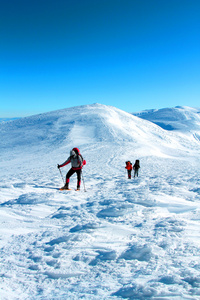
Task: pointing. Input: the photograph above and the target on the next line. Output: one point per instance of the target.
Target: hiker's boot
(65, 187)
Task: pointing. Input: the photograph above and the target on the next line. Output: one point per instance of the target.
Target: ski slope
(121, 239)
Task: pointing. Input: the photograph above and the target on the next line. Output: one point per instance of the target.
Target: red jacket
(129, 166)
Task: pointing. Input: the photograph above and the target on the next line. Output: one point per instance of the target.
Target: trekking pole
(61, 175)
(83, 181)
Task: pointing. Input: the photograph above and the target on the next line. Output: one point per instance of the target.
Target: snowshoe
(64, 188)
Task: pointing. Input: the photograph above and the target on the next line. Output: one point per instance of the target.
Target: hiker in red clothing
(77, 162)
(129, 168)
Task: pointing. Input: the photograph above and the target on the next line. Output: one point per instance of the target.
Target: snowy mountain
(181, 118)
(121, 239)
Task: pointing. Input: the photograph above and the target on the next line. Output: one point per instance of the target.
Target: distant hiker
(136, 167)
(77, 162)
(129, 168)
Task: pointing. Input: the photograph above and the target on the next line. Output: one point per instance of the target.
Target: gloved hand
(58, 166)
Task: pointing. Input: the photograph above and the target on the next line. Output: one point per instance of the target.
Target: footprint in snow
(103, 256)
(138, 252)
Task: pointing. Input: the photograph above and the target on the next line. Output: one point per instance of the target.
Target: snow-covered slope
(87, 124)
(133, 239)
(182, 118)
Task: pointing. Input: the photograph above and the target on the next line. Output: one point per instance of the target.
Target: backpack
(76, 150)
(137, 164)
(129, 165)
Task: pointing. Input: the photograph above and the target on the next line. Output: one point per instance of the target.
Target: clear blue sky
(132, 54)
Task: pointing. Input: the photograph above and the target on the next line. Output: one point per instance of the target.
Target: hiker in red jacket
(77, 162)
(129, 168)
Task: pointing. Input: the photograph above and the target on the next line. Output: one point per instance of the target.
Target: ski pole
(83, 181)
(61, 175)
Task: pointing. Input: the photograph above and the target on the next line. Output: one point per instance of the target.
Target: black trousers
(70, 173)
(129, 173)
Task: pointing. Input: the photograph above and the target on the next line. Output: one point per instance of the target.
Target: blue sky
(132, 54)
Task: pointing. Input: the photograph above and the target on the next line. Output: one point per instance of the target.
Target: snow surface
(121, 239)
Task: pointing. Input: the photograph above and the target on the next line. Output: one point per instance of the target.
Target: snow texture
(121, 239)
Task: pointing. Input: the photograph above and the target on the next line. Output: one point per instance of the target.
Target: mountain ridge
(181, 118)
(86, 124)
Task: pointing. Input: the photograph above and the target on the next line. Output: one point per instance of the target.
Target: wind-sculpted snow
(121, 239)
(178, 118)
